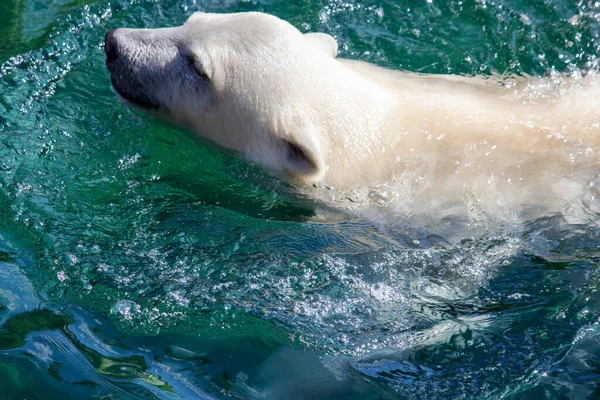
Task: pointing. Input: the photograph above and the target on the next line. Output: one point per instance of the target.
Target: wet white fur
(496, 140)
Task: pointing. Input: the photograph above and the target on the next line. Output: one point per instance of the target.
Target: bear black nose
(110, 46)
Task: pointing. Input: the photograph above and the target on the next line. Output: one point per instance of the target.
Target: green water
(138, 263)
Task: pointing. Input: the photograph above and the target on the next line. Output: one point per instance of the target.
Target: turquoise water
(138, 263)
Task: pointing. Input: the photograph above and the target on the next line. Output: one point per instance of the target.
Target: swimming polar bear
(254, 84)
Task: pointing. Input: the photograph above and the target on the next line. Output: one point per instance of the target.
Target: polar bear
(254, 84)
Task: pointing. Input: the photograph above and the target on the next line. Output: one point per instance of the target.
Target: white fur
(353, 124)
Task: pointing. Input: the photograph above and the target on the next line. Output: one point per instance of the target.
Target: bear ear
(303, 159)
(324, 42)
(195, 16)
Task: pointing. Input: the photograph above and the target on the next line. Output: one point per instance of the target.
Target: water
(137, 263)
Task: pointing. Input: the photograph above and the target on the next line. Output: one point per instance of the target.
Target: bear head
(249, 82)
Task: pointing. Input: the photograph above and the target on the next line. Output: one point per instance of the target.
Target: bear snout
(110, 46)
(124, 75)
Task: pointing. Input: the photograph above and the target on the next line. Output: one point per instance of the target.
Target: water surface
(138, 263)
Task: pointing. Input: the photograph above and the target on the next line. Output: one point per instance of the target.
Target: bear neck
(398, 121)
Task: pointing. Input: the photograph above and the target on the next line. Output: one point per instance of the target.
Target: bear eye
(196, 67)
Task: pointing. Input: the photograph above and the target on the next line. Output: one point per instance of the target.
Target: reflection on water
(138, 263)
